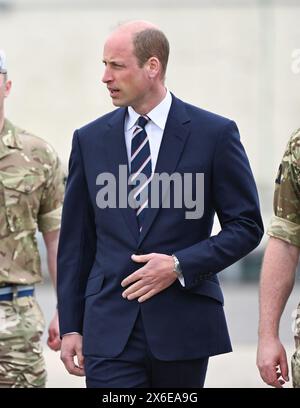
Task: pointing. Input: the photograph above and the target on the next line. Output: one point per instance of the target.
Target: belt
(7, 292)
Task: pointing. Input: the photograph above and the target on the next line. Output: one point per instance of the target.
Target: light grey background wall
(232, 57)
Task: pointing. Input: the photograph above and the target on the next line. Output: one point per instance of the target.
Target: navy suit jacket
(96, 244)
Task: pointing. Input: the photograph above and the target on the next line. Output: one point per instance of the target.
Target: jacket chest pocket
(22, 194)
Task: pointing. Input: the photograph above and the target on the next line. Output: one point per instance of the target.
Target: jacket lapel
(174, 138)
(116, 155)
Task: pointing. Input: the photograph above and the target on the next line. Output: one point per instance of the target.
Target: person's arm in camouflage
(49, 223)
(51, 242)
(277, 281)
(279, 266)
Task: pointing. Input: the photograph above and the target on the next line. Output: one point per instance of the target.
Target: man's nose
(106, 76)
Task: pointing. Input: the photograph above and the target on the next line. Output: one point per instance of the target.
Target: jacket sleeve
(235, 201)
(77, 243)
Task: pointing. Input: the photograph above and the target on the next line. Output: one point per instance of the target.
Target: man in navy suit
(139, 299)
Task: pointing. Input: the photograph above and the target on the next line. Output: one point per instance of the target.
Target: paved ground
(235, 369)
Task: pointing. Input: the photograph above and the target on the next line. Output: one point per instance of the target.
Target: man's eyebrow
(112, 61)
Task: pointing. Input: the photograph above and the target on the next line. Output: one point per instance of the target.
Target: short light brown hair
(151, 42)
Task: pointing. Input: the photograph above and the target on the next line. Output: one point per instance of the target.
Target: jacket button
(139, 252)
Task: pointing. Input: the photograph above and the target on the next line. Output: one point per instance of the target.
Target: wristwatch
(177, 268)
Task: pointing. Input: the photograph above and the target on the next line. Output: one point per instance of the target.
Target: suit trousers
(136, 367)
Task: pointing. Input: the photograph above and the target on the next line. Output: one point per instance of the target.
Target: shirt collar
(158, 115)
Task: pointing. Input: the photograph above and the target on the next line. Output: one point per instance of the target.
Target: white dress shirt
(154, 128)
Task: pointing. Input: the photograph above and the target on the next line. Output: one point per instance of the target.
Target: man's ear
(153, 67)
(7, 85)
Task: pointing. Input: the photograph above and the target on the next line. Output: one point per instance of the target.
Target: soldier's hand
(54, 341)
(272, 362)
(71, 347)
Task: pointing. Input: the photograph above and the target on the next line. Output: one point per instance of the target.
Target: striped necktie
(140, 163)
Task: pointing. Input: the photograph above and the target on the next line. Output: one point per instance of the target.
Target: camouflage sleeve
(285, 224)
(49, 216)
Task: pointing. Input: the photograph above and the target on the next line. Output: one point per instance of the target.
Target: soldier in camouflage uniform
(31, 193)
(278, 271)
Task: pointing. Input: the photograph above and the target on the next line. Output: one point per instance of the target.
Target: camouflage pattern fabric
(21, 361)
(31, 195)
(295, 362)
(285, 224)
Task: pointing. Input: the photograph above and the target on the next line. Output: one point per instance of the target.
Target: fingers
(281, 372)
(137, 286)
(135, 276)
(147, 296)
(269, 375)
(272, 375)
(142, 271)
(73, 368)
(80, 359)
(137, 292)
(71, 349)
(54, 343)
(284, 369)
(141, 258)
(272, 361)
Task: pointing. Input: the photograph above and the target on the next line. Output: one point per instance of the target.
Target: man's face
(4, 91)
(127, 83)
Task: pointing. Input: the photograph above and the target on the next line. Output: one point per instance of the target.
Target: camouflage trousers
(295, 362)
(22, 364)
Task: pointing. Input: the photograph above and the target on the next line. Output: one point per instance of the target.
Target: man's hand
(71, 346)
(272, 362)
(54, 341)
(157, 275)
